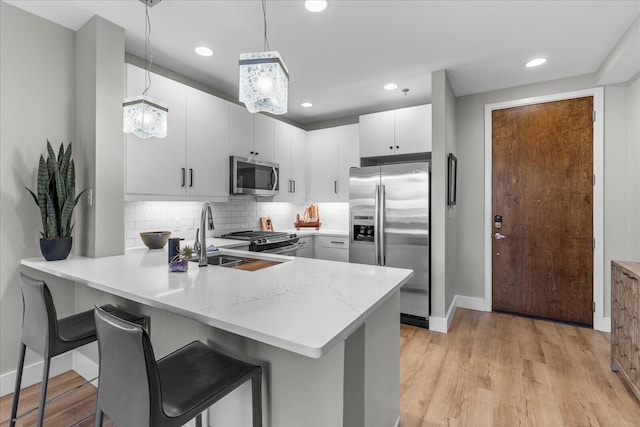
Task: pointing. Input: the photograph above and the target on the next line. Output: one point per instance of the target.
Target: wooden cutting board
(257, 265)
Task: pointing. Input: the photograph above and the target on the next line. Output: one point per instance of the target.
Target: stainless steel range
(267, 241)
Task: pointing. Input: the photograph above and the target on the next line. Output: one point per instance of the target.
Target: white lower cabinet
(305, 247)
(331, 248)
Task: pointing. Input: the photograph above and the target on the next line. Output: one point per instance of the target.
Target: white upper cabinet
(299, 164)
(250, 135)
(207, 144)
(192, 161)
(377, 134)
(156, 166)
(330, 153)
(263, 128)
(413, 129)
(240, 131)
(402, 131)
(290, 152)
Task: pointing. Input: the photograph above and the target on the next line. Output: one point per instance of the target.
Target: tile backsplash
(239, 213)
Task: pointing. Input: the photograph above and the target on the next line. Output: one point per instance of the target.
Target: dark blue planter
(56, 249)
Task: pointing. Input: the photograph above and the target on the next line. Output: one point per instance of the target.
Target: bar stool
(170, 391)
(48, 336)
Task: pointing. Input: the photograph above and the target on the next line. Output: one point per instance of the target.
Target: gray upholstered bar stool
(48, 336)
(167, 392)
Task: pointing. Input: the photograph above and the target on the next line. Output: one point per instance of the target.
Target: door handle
(190, 177)
(500, 236)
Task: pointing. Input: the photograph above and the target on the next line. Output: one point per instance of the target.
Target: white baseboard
(442, 324)
(32, 373)
(602, 324)
(85, 367)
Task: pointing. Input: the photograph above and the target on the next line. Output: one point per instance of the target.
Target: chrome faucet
(200, 245)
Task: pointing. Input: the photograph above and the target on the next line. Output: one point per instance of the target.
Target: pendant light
(264, 78)
(143, 116)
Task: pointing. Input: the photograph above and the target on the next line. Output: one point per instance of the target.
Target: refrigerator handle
(381, 233)
(376, 225)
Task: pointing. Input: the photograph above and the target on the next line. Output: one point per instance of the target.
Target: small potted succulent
(180, 262)
(56, 197)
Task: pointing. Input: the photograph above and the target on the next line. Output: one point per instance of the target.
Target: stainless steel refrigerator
(389, 209)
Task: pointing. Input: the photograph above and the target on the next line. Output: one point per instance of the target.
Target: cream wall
(37, 83)
(621, 183)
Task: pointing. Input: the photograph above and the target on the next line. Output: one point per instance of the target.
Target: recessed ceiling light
(315, 5)
(390, 86)
(536, 62)
(204, 51)
(306, 105)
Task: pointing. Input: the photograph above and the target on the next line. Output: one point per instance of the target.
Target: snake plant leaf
(67, 209)
(60, 153)
(64, 165)
(60, 186)
(43, 190)
(51, 231)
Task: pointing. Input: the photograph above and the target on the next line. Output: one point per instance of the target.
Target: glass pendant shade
(264, 82)
(144, 117)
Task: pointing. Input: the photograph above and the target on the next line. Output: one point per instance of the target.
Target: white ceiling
(339, 59)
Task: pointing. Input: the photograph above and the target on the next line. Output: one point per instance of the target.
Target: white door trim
(599, 321)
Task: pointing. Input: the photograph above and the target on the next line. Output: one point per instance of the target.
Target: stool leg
(43, 390)
(16, 393)
(256, 397)
(99, 415)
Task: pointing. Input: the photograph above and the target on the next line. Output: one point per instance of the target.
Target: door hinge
(594, 243)
(594, 115)
(594, 306)
(594, 179)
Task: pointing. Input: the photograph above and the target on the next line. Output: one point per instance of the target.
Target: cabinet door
(348, 156)
(322, 165)
(263, 137)
(240, 131)
(207, 145)
(282, 156)
(155, 165)
(299, 164)
(377, 134)
(305, 247)
(413, 129)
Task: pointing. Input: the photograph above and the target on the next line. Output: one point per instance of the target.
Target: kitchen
(458, 267)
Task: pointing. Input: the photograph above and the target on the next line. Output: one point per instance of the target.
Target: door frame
(599, 321)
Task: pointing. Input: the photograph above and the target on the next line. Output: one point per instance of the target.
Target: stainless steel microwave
(254, 177)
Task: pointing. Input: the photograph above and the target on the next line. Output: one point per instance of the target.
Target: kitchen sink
(238, 262)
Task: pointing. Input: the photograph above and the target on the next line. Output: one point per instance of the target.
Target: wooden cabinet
(192, 161)
(291, 154)
(331, 248)
(402, 131)
(250, 134)
(625, 322)
(330, 153)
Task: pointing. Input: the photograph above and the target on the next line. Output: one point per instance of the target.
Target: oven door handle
(288, 248)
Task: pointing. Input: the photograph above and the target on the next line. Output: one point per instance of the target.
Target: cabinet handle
(397, 147)
(302, 243)
(257, 153)
(391, 147)
(290, 186)
(335, 187)
(190, 177)
(337, 242)
(251, 152)
(183, 176)
(294, 185)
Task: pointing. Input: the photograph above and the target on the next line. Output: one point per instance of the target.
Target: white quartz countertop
(301, 305)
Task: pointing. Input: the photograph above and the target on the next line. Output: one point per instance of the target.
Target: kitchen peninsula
(326, 333)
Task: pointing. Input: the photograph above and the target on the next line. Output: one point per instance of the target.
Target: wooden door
(543, 189)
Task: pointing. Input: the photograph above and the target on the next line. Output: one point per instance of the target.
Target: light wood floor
(499, 370)
(489, 370)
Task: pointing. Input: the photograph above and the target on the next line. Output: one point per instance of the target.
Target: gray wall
(37, 82)
(621, 185)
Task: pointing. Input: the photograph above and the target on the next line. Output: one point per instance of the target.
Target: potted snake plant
(56, 198)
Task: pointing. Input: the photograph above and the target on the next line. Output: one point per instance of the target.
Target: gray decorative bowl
(155, 239)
